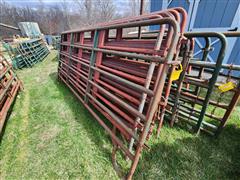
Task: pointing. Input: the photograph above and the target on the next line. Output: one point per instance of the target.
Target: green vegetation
(51, 135)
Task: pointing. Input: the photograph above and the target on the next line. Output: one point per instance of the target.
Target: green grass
(50, 135)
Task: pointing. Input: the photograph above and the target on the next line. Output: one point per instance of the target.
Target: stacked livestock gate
(9, 87)
(29, 53)
(56, 42)
(206, 92)
(132, 79)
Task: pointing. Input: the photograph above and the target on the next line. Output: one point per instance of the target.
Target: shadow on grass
(95, 131)
(197, 157)
(200, 157)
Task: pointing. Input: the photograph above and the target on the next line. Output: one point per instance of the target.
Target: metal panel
(29, 29)
(209, 15)
(157, 5)
(119, 77)
(173, 3)
(212, 14)
(9, 88)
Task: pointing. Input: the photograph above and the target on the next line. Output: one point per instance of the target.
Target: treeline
(57, 17)
(51, 20)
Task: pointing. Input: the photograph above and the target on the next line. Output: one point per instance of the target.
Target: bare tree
(106, 10)
(66, 12)
(134, 6)
(85, 11)
(94, 11)
(50, 20)
(88, 9)
(60, 17)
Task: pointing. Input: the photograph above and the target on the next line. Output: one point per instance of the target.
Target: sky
(34, 3)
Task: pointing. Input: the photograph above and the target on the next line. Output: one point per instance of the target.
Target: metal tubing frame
(10, 85)
(155, 100)
(213, 79)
